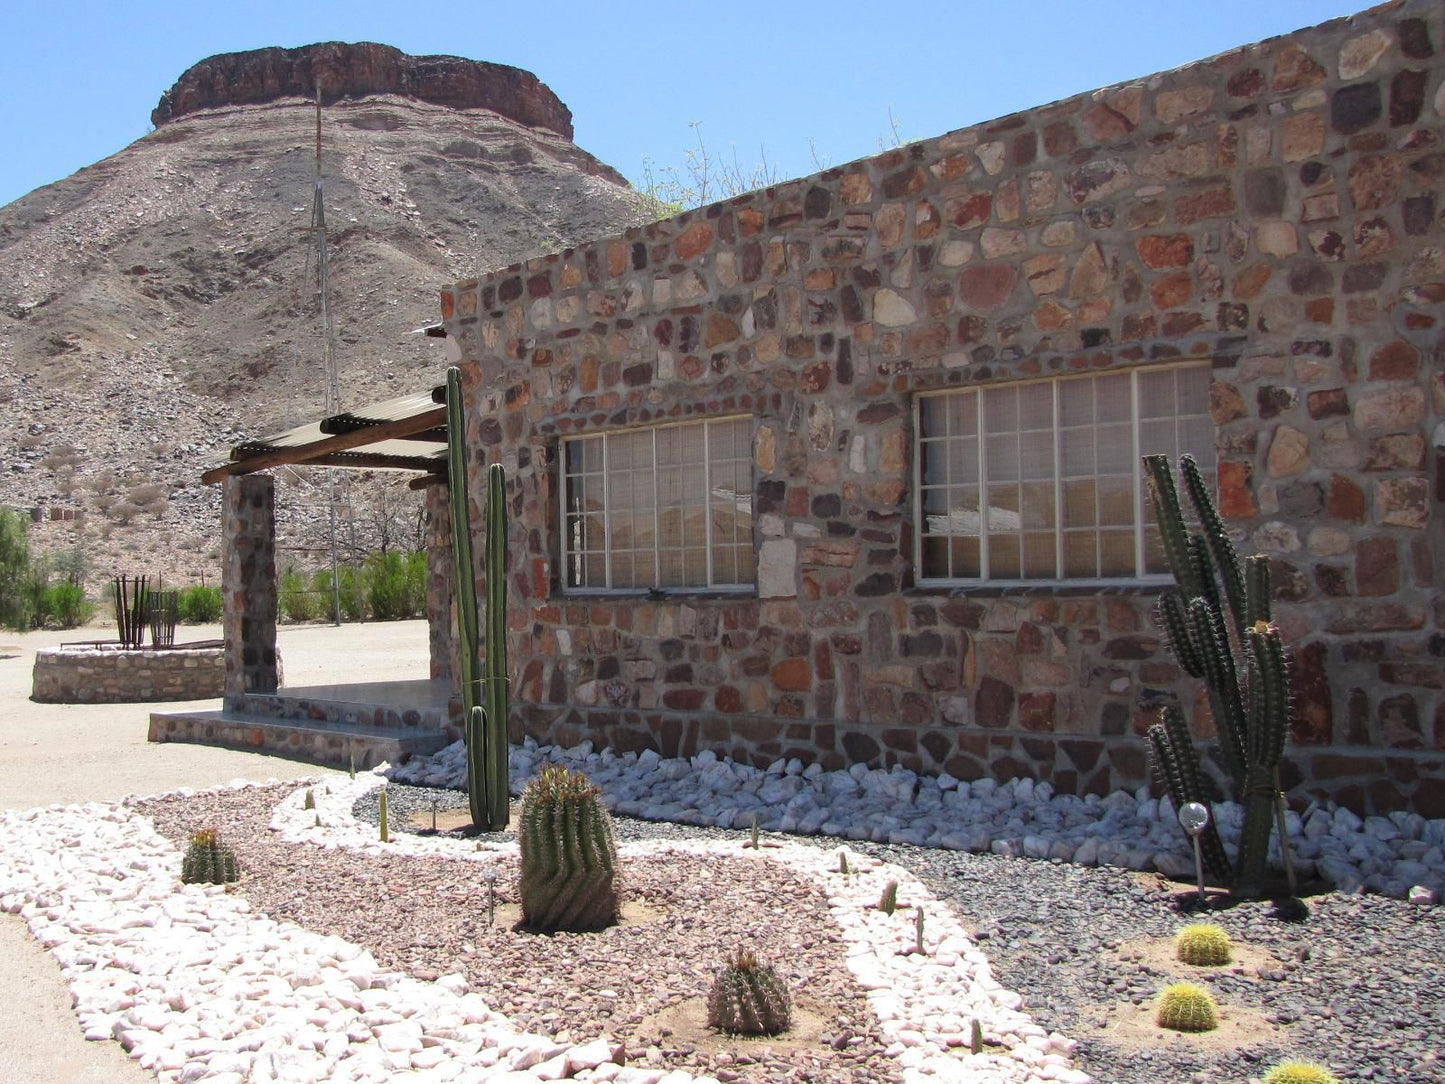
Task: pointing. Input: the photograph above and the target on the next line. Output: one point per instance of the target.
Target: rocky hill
(161, 305)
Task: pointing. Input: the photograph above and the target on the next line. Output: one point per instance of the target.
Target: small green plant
(65, 605)
(1184, 1006)
(199, 605)
(1299, 1072)
(843, 863)
(1203, 944)
(310, 799)
(208, 860)
(888, 902)
(15, 576)
(748, 999)
(382, 819)
(568, 875)
(293, 598)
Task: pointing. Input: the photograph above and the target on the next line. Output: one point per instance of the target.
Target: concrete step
(406, 706)
(319, 741)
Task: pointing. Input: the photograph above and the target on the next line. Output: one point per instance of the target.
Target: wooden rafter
(402, 429)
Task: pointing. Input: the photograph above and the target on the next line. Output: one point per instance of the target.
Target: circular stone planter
(87, 674)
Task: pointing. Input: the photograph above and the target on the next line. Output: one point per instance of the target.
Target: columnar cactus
(208, 860)
(1218, 624)
(569, 856)
(1186, 1007)
(130, 610)
(749, 999)
(485, 726)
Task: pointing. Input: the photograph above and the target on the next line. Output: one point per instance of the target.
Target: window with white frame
(668, 506)
(1042, 480)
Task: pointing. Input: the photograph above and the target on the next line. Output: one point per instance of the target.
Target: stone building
(847, 469)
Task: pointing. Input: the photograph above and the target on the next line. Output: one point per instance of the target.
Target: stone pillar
(248, 586)
(439, 593)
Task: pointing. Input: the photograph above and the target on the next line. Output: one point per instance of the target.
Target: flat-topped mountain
(161, 305)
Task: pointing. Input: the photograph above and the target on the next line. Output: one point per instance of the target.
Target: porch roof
(408, 433)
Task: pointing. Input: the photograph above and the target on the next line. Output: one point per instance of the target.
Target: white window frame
(1143, 512)
(566, 555)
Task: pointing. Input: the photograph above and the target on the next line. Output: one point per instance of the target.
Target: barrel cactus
(1299, 1072)
(208, 860)
(1203, 944)
(1186, 1007)
(749, 999)
(569, 856)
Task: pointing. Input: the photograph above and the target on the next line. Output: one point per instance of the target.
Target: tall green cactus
(1218, 624)
(485, 726)
(568, 854)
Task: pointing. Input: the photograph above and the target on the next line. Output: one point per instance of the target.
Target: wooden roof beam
(308, 453)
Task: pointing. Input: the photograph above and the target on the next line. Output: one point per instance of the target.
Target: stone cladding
(1275, 212)
(74, 675)
(248, 584)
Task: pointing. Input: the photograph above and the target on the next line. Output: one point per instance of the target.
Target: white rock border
(198, 988)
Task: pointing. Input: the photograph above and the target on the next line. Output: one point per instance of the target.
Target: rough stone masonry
(1274, 213)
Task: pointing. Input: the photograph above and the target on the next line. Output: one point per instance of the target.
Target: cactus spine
(1299, 1072)
(208, 860)
(1203, 944)
(569, 856)
(485, 724)
(748, 999)
(1218, 624)
(1186, 1007)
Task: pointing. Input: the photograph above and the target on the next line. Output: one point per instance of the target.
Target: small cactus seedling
(1186, 1007)
(1203, 944)
(351, 764)
(918, 930)
(888, 902)
(385, 829)
(208, 860)
(843, 863)
(310, 799)
(753, 834)
(975, 1038)
(749, 999)
(1299, 1072)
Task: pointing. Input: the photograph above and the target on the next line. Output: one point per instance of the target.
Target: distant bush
(353, 605)
(199, 605)
(395, 585)
(295, 600)
(64, 605)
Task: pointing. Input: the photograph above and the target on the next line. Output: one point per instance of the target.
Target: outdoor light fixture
(1194, 818)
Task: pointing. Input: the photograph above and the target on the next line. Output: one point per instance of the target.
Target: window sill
(1039, 589)
(673, 594)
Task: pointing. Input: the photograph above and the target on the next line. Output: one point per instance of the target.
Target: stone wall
(74, 675)
(1273, 212)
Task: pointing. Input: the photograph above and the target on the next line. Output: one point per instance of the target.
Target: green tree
(17, 594)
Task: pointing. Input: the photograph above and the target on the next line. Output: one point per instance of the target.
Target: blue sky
(792, 80)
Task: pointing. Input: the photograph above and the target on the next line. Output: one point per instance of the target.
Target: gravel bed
(641, 982)
(1353, 983)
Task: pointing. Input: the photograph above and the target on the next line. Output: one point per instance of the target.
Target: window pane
(1112, 398)
(935, 559)
(1040, 562)
(1003, 557)
(1081, 559)
(1116, 552)
(967, 558)
(1079, 509)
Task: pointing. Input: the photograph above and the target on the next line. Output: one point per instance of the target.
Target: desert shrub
(353, 605)
(199, 605)
(64, 604)
(395, 585)
(294, 598)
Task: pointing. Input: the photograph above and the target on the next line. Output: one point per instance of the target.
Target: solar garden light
(1194, 818)
(490, 876)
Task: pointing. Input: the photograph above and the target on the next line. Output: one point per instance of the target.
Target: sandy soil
(66, 753)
